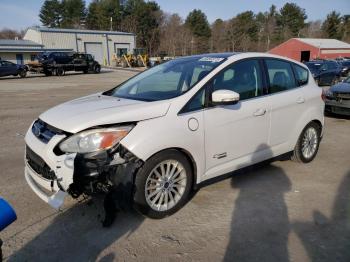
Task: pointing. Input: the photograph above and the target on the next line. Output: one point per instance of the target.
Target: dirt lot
(279, 212)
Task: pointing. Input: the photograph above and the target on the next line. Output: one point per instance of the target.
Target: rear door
(287, 101)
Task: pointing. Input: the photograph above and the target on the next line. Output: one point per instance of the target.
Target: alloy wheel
(165, 185)
(309, 142)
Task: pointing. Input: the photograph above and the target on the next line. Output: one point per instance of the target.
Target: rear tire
(163, 184)
(59, 71)
(308, 143)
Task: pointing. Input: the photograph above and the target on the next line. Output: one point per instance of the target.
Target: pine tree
(74, 14)
(331, 26)
(50, 13)
(291, 20)
(198, 24)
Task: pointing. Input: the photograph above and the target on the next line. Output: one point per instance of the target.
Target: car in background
(8, 68)
(345, 64)
(337, 98)
(325, 72)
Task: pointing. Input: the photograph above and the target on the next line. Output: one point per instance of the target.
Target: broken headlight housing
(94, 140)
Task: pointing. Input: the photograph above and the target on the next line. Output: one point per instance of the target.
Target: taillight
(323, 95)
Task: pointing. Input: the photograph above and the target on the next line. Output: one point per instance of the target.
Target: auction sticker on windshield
(211, 59)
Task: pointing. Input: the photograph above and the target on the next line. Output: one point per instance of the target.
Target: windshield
(167, 80)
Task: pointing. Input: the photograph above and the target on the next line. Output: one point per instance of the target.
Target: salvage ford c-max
(166, 130)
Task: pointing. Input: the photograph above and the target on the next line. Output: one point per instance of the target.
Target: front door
(237, 135)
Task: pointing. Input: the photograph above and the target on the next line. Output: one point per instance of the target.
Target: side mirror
(224, 97)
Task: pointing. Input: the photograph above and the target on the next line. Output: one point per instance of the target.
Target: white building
(101, 44)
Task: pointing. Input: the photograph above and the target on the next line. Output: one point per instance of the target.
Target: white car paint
(247, 132)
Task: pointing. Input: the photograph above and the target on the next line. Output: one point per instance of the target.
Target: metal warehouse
(101, 44)
(21, 51)
(305, 49)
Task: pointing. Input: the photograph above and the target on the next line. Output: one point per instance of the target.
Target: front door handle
(300, 100)
(260, 112)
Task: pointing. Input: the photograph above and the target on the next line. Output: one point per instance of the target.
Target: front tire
(308, 143)
(163, 184)
(22, 73)
(97, 69)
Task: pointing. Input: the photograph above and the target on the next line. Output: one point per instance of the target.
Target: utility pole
(111, 28)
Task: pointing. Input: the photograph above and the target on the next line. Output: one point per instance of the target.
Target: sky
(20, 14)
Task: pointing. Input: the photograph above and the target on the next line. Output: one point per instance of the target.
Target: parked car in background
(168, 129)
(338, 98)
(345, 65)
(325, 72)
(8, 68)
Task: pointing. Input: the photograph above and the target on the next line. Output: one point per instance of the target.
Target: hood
(341, 88)
(97, 109)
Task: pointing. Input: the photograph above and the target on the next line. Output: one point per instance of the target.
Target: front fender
(152, 136)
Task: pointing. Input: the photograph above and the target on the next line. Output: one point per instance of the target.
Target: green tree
(100, 13)
(95, 17)
(291, 20)
(218, 36)
(243, 31)
(345, 28)
(198, 24)
(112, 9)
(50, 13)
(331, 26)
(74, 14)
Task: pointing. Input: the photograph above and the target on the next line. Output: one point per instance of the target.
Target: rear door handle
(260, 112)
(300, 100)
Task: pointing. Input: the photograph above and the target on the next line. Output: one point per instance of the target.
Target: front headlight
(94, 140)
(329, 94)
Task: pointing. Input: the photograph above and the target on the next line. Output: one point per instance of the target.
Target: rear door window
(280, 74)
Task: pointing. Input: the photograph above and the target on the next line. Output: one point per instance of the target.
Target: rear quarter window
(301, 75)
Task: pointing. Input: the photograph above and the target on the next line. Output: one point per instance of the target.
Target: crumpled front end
(53, 174)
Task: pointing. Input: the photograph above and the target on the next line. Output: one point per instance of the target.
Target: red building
(305, 49)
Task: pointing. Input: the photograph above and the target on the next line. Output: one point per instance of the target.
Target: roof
(324, 43)
(32, 50)
(11, 42)
(79, 31)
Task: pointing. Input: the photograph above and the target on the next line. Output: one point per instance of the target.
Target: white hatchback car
(166, 130)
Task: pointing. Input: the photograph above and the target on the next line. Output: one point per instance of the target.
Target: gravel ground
(282, 211)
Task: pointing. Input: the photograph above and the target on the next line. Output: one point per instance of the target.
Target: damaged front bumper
(52, 176)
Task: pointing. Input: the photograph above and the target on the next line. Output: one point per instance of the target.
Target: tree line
(161, 32)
